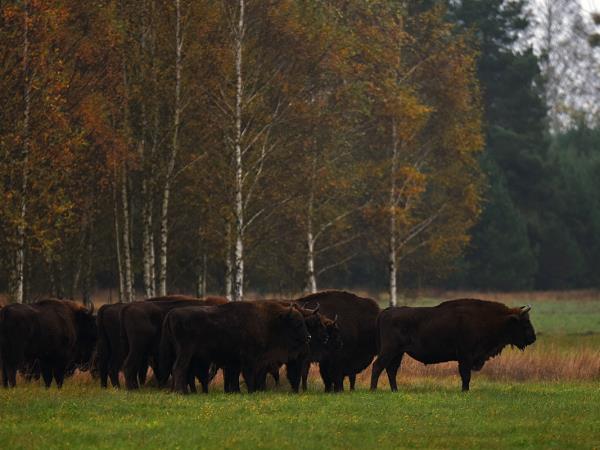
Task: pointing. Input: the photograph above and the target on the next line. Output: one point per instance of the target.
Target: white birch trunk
(228, 266)
(147, 242)
(19, 268)
(164, 223)
(238, 287)
(392, 259)
(128, 281)
(201, 277)
(146, 159)
(311, 276)
(118, 241)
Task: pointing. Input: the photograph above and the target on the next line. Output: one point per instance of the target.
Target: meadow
(547, 396)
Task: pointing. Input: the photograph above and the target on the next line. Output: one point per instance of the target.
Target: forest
(275, 146)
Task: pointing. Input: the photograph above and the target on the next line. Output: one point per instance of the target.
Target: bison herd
(184, 339)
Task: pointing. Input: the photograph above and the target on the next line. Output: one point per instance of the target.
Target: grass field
(545, 397)
(425, 414)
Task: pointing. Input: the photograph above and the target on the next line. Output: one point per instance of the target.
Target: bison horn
(335, 319)
(525, 309)
(316, 310)
(91, 309)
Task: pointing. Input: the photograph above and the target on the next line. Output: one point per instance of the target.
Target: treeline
(167, 146)
(281, 146)
(540, 227)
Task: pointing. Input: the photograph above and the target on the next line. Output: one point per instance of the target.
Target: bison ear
(525, 309)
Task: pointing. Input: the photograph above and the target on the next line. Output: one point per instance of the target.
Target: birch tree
(432, 131)
(177, 106)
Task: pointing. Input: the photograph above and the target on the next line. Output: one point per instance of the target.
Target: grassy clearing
(545, 397)
(425, 414)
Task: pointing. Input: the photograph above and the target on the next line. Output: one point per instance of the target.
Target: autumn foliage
(359, 124)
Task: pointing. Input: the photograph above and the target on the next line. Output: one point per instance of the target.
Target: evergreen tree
(515, 145)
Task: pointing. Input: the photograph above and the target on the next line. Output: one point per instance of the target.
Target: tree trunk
(392, 260)
(238, 287)
(128, 281)
(120, 273)
(311, 277)
(86, 286)
(147, 241)
(18, 286)
(201, 276)
(228, 266)
(164, 223)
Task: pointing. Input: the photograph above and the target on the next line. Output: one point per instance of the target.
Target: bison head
(521, 331)
(334, 341)
(316, 328)
(295, 329)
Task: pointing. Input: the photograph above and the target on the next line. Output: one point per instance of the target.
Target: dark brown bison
(58, 334)
(356, 318)
(320, 329)
(466, 330)
(110, 351)
(240, 337)
(325, 339)
(141, 324)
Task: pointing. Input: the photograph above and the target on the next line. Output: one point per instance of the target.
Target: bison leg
(12, 377)
(47, 374)
(9, 375)
(294, 373)
(192, 378)
(464, 368)
(203, 375)
(143, 372)
(338, 381)
(392, 371)
(103, 368)
(325, 371)
(304, 375)
(113, 373)
(250, 378)
(275, 375)
(231, 377)
(352, 379)
(380, 363)
(260, 380)
(181, 369)
(130, 369)
(59, 375)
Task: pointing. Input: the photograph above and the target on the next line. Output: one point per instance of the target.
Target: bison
(356, 318)
(59, 334)
(246, 337)
(110, 351)
(469, 331)
(325, 339)
(324, 336)
(141, 323)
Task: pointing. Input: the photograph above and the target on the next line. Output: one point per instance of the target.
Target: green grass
(425, 414)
